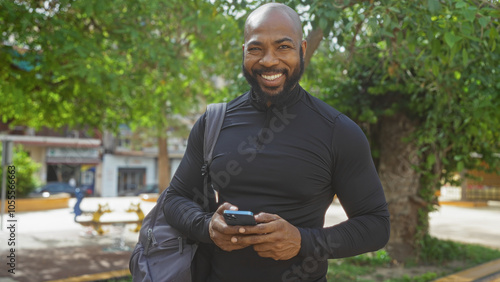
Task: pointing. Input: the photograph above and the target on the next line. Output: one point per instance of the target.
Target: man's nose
(269, 59)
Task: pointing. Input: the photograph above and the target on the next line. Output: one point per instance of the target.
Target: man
(282, 154)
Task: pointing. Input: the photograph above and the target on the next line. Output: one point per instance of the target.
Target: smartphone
(239, 217)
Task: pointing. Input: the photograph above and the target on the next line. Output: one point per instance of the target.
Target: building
(103, 163)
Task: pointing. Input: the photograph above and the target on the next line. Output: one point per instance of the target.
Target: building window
(130, 180)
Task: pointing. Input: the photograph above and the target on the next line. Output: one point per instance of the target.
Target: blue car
(53, 188)
(148, 189)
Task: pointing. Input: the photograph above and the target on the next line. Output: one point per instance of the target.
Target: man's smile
(271, 77)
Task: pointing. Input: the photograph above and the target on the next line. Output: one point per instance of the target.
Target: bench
(96, 223)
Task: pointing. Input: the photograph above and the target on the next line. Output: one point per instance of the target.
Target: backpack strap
(213, 123)
(214, 118)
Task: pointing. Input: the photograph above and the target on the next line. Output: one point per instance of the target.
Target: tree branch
(313, 40)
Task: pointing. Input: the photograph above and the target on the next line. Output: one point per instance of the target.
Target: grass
(439, 251)
(438, 258)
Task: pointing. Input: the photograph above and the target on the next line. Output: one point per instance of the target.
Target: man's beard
(280, 97)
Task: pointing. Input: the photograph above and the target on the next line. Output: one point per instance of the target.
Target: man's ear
(304, 47)
(243, 47)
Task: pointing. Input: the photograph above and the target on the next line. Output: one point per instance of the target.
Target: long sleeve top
(288, 160)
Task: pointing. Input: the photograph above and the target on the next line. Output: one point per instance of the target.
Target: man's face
(273, 56)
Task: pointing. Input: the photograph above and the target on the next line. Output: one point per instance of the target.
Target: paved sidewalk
(51, 246)
(478, 225)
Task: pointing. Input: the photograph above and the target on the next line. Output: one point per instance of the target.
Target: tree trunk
(401, 184)
(313, 40)
(163, 164)
(59, 172)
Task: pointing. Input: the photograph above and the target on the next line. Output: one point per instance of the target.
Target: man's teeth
(272, 77)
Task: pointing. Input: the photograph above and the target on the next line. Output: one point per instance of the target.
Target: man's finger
(226, 206)
(266, 217)
(252, 239)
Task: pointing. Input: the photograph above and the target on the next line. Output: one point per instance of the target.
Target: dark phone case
(239, 219)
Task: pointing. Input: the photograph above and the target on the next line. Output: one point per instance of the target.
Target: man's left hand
(273, 237)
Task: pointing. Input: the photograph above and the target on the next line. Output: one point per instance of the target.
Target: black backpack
(162, 253)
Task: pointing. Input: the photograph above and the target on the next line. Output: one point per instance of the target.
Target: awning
(71, 160)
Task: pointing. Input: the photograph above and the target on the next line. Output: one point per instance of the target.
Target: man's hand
(221, 233)
(272, 237)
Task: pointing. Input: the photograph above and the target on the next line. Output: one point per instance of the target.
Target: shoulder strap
(214, 117)
(213, 123)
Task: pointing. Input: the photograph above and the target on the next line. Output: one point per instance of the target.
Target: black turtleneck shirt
(288, 160)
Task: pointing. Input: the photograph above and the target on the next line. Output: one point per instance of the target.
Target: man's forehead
(274, 19)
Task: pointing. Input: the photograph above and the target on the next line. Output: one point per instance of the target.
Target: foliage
(102, 64)
(25, 168)
(122, 279)
(350, 269)
(106, 63)
(380, 257)
(419, 278)
(435, 252)
(440, 251)
(436, 62)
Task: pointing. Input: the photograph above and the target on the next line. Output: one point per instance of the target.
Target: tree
(421, 78)
(104, 63)
(25, 168)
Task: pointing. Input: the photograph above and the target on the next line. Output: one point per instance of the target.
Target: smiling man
(273, 53)
(283, 155)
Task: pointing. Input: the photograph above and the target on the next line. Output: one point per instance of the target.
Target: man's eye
(284, 47)
(253, 49)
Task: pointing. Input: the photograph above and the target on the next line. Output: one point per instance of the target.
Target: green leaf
(451, 39)
(411, 47)
(431, 160)
(323, 23)
(382, 45)
(349, 25)
(470, 14)
(454, 51)
(433, 6)
(467, 29)
(395, 10)
(460, 4)
(483, 21)
(435, 69)
(465, 57)
(493, 33)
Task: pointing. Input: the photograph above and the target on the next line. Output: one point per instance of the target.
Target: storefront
(63, 159)
(123, 174)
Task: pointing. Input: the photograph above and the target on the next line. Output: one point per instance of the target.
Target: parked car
(148, 189)
(128, 190)
(132, 190)
(53, 188)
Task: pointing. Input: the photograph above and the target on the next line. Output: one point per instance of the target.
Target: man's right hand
(221, 233)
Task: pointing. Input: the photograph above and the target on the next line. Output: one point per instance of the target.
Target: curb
(96, 277)
(465, 204)
(58, 201)
(486, 270)
(478, 273)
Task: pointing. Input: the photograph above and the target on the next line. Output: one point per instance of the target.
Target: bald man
(283, 155)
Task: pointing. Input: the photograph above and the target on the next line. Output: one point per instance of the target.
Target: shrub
(25, 168)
